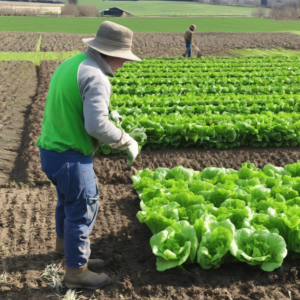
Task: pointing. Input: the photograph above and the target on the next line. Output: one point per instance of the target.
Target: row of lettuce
(221, 215)
(213, 62)
(229, 108)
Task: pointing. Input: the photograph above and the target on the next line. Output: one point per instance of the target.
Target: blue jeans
(77, 189)
(188, 46)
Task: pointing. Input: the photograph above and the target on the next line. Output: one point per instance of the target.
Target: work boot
(92, 263)
(60, 248)
(84, 279)
(96, 263)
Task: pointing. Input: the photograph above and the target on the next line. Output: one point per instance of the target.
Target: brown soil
(211, 43)
(27, 226)
(18, 41)
(172, 44)
(25, 168)
(28, 242)
(157, 44)
(17, 87)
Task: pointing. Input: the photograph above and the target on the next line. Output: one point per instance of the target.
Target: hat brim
(125, 54)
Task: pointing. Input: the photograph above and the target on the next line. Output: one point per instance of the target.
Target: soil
(17, 87)
(28, 243)
(18, 41)
(27, 224)
(172, 44)
(25, 169)
(157, 44)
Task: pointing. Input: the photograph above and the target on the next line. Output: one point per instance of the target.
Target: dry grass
(70, 10)
(3, 278)
(88, 11)
(53, 275)
(260, 12)
(285, 13)
(5, 11)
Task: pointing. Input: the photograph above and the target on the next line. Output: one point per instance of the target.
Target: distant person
(188, 36)
(75, 121)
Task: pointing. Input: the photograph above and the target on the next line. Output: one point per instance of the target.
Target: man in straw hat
(75, 121)
(188, 36)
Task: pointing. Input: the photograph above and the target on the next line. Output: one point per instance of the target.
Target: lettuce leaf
(174, 245)
(259, 248)
(215, 243)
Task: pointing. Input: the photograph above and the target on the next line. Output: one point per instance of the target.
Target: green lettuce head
(215, 243)
(259, 248)
(174, 245)
(159, 218)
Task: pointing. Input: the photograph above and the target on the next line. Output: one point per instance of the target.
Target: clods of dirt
(17, 87)
(157, 44)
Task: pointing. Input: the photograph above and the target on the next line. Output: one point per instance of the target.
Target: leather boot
(96, 263)
(60, 248)
(92, 263)
(84, 279)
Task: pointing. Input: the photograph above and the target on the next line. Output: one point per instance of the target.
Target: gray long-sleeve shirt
(95, 90)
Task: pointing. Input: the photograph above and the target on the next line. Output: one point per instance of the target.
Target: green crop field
(91, 25)
(146, 8)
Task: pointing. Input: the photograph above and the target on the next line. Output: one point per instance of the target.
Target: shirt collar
(100, 61)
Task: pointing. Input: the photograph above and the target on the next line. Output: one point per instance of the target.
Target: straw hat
(113, 40)
(192, 27)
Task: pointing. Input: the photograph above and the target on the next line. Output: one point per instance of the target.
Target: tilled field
(18, 41)
(17, 87)
(157, 44)
(27, 226)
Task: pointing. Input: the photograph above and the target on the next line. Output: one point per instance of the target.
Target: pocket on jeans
(62, 179)
(92, 203)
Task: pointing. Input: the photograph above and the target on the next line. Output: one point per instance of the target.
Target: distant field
(91, 25)
(154, 8)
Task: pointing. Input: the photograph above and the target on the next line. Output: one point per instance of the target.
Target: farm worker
(188, 36)
(75, 121)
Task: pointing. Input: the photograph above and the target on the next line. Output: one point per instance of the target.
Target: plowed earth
(18, 41)
(157, 44)
(172, 44)
(27, 226)
(17, 87)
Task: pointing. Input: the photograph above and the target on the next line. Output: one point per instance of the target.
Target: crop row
(215, 69)
(206, 89)
(195, 73)
(191, 99)
(214, 63)
(220, 131)
(278, 80)
(213, 59)
(208, 109)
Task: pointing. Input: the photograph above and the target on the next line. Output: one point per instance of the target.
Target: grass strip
(91, 25)
(36, 57)
(263, 52)
(38, 45)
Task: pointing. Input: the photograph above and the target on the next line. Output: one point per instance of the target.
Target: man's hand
(129, 144)
(132, 152)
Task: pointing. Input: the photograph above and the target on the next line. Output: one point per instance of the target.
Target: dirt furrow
(17, 87)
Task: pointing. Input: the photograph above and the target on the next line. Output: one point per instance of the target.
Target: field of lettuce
(217, 215)
(211, 103)
(221, 215)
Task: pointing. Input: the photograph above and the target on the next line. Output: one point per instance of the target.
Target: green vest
(63, 122)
